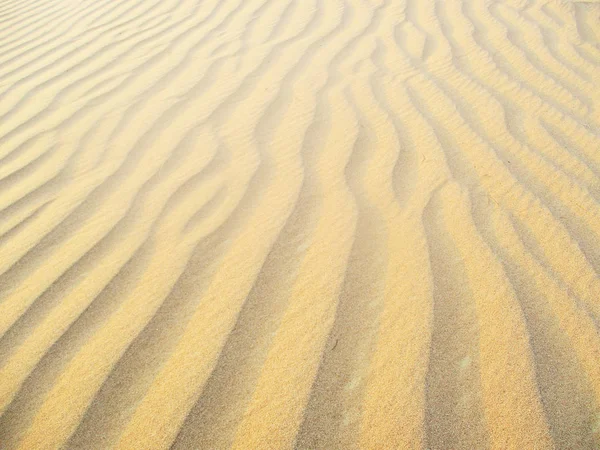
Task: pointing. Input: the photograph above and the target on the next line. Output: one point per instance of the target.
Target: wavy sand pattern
(265, 224)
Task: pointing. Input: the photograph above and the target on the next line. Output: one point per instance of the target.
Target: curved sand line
(321, 224)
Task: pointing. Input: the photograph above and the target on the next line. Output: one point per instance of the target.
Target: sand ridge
(310, 224)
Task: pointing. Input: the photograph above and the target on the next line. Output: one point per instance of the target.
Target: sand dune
(265, 224)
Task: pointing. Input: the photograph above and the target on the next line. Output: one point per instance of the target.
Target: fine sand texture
(310, 224)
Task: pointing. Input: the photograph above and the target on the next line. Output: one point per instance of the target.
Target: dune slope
(269, 224)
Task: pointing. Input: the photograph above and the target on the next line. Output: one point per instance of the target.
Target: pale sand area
(313, 224)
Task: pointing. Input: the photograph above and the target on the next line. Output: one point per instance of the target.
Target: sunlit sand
(316, 224)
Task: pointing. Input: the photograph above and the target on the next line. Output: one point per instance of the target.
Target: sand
(316, 224)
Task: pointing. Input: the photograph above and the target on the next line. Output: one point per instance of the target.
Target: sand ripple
(265, 224)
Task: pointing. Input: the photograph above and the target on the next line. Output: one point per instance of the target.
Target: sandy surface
(267, 224)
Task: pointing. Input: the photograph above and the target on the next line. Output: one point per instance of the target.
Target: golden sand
(316, 224)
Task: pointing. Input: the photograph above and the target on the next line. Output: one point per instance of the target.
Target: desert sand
(312, 224)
